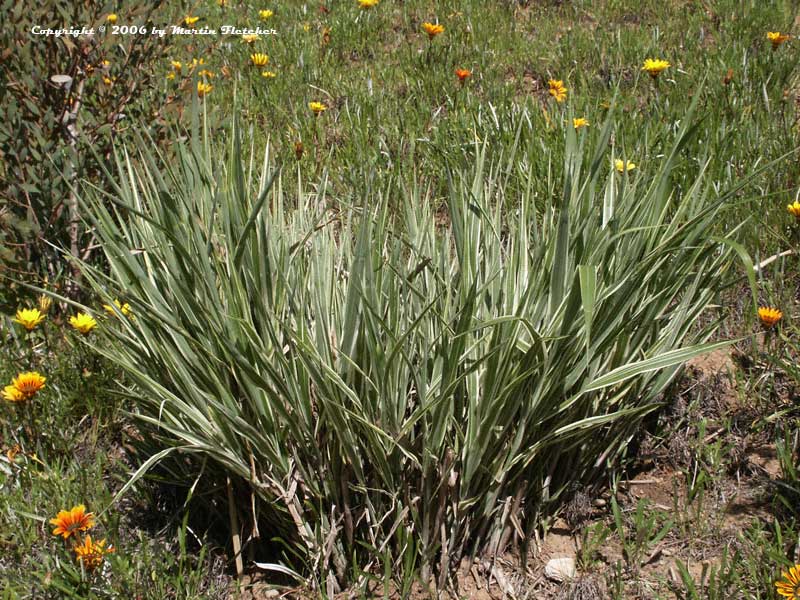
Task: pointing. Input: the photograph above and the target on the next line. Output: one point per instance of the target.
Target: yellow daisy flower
(83, 322)
(112, 18)
(203, 88)
(259, 59)
(265, 14)
(317, 107)
(789, 587)
(654, 66)
(28, 383)
(777, 38)
(769, 316)
(249, 38)
(12, 394)
(29, 318)
(432, 29)
(189, 21)
(621, 166)
(91, 554)
(557, 89)
(579, 122)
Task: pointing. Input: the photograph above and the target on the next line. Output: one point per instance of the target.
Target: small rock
(560, 569)
(599, 502)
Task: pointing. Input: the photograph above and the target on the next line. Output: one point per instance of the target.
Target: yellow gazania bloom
(249, 38)
(105, 64)
(189, 21)
(794, 209)
(91, 554)
(108, 80)
(171, 75)
(83, 322)
(621, 167)
(306, 27)
(203, 88)
(268, 74)
(317, 107)
(789, 587)
(432, 29)
(557, 89)
(367, 3)
(769, 316)
(112, 18)
(259, 60)
(579, 122)
(29, 318)
(12, 394)
(265, 14)
(28, 383)
(176, 64)
(654, 66)
(196, 62)
(205, 73)
(70, 522)
(125, 309)
(776, 38)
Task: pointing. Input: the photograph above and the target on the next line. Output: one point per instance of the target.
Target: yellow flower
(432, 30)
(108, 80)
(177, 65)
(189, 21)
(105, 64)
(29, 318)
(90, 554)
(367, 3)
(70, 522)
(28, 383)
(654, 66)
(265, 14)
(317, 107)
(794, 208)
(557, 89)
(769, 316)
(621, 166)
(171, 75)
(83, 322)
(776, 38)
(249, 38)
(259, 60)
(125, 309)
(790, 586)
(268, 74)
(205, 73)
(306, 27)
(112, 18)
(580, 122)
(203, 88)
(12, 394)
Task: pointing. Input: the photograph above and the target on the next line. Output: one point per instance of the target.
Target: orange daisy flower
(70, 522)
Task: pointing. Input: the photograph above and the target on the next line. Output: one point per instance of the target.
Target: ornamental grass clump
(390, 394)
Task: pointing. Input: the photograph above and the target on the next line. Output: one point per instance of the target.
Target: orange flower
(463, 74)
(28, 383)
(432, 30)
(769, 316)
(777, 38)
(91, 554)
(70, 522)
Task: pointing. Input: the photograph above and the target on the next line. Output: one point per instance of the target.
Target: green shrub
(59, 97)
(397, 392)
